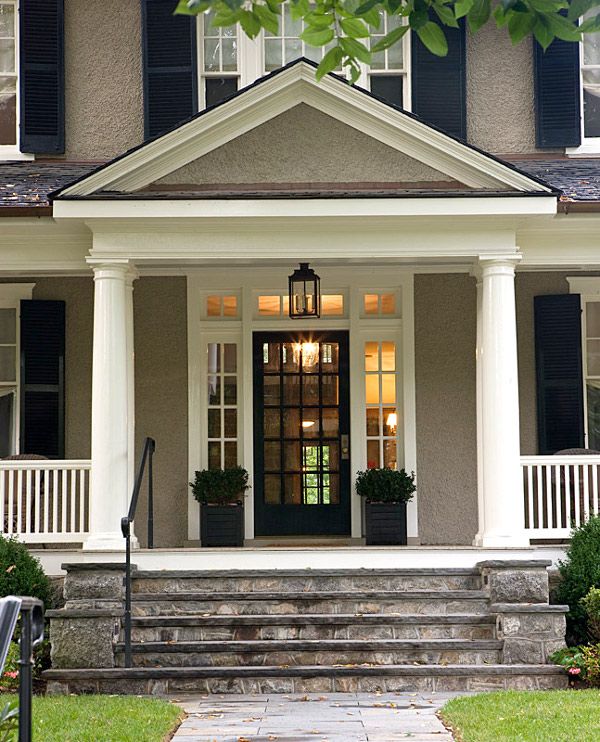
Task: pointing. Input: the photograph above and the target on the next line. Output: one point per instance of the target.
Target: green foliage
(336, 25)
(10, 675)
(21, 573)
(591, 606)
(579, 572)
(582, 663)
(385, 485)
(220, 486)
(9, 721)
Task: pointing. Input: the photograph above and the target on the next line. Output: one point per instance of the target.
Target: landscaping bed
(94, 718)
(525, 716)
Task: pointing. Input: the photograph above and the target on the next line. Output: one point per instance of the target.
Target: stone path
(332, 717)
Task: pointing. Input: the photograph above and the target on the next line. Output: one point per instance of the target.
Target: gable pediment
(289, 128)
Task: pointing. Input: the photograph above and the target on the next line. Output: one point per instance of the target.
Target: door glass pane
(292, 423)
(272, 461)
(371, 356)
(373, 454)
(214, 390)
(230, 454)
(214, 455)
(331, 422)
(310, 390)
(331, 488)
(291, 358)
(230, 396)
(271, 353)
(389, 454)
(291, 390)
(373, 421)
(390, 421)
(292, 489)
(271, 423)
(214, 423)
(372, 388)
(272, 489)
(230, 417)
(388, 356)
(271, 390)
(8, 326)
(329, 390)
(388, 388)
(292, 455)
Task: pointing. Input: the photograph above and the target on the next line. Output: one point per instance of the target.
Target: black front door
(301, 434)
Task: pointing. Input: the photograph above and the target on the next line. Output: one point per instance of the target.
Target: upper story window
(229, 60)
(8, 75)
(590, 84)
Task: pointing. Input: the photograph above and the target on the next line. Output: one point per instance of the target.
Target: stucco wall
(303, 145)
(103, 77)
(445, 333)
(161, 400)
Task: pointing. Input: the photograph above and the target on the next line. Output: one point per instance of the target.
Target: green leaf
(578, 8)
(592, 25)
(319, 20)
(366, 7)
(191, 7)
(268, 19)
(317, 36)
(433, 38)
(354, 28)
(330, 62)
(479, 14)
(225, 17)
(299, 8)
(445, 14)
(250, 24)
(542, 34)
(462, 7)
(356, 50)
(390, 39)
(520, 25)
(418, 18)
(563, 28)
(274, 6)
(372, 17)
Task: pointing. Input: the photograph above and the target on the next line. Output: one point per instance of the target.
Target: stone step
(315, 652)
(311, 626)
(306, 580)
(305, 679)
(413, 601)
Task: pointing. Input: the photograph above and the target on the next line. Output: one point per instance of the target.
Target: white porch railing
(559, 492)
(45, 501)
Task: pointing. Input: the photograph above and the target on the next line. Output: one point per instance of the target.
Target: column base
(108, 542)
(494, 541)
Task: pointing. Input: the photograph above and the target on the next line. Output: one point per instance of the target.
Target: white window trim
(251, 65)
(12, 151)
(589, 145)
(11, 295)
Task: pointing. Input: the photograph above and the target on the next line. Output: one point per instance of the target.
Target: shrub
(579, 572)
(10, 675)
(220, 486)
(591, 605)
(21, 573)
(385, 485)
(581, 663)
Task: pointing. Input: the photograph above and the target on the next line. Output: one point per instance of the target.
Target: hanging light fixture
(305, 293)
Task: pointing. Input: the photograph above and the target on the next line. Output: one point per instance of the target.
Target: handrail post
(150, 497)
(25, 676)
(126, 530)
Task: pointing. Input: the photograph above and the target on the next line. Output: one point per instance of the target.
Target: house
(161, 180)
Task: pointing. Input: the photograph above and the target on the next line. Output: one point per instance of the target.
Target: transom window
(229, 60)
(381, 304)
(277, 305)
(221, 306)
(8, 74)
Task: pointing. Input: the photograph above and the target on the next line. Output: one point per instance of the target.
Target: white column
(112, 406)
(478, 366)
(502, 500)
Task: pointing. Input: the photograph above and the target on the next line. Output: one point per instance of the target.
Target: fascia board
(272, 97)
(278, 209)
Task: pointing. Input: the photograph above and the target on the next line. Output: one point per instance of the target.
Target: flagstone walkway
(331, 717)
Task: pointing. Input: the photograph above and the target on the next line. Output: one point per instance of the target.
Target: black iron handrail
(148, 453)
(32, 633)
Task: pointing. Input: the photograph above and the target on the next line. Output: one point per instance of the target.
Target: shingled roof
(26, 185)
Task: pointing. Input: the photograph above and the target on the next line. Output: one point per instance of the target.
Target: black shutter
(41, 76)
(559, 373)
(439, 90)
(43, 378)
(557, 94)
(170, 75)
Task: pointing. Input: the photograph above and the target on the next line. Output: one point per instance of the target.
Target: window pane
(591, 47)
(7, 55)
(390, 421)
(7, 20)
(591, 104)
(388, 87)
(213, 306)
(269, 306)
(593, 415)
(372, 388)
(230, 419)
(272, 54)
(8, 364)
(8, 118)
(230, 389)
(229, 54)
(388, 356)
(214, 455)
(214, 358)
(8, 326)
(293, 49)
(214, 423)
(593, 357)
(373, 421)
(217, 89)
(211, 55)
(388, 304)
(389, 454)
(388, 388)
(371, 303)
(230, 454)
(229, 358)
(6, 420)
(592, 319)
(332, 304)
(372, 454)
(229, 306)
(214, 390)
(371, 356)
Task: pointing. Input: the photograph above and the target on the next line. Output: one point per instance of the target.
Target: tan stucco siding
(445, 333)
(161, 400)
(303, 145)
(103, 77)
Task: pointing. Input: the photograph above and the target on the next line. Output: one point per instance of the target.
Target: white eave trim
(312, 208)
(277, 94)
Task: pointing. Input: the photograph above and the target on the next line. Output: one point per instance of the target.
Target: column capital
(118, 269)
(496, 264)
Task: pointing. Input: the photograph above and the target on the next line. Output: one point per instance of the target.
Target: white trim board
(279, 92)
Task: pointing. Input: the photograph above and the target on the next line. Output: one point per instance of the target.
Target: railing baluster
(576, 494)
(73, 498)
(19, 494)
(529, 470)
(28, 501)
(548, 498)
(37, 499)
(82, 501)
(539, 498)
(595, 489)
(569, 512)
(11, 506)
(586, 492)
(46, 500)
(55, 501)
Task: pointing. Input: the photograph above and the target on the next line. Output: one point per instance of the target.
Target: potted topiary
(220, 493)
(386, 492)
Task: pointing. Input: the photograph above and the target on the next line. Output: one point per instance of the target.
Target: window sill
(588, 148)
(8, 153)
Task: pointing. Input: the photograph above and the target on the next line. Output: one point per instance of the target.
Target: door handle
(345, 446)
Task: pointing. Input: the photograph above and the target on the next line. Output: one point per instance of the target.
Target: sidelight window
(222, 412)
(381, 412)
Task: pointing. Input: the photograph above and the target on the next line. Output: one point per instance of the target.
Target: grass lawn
(101, 718)
(526, 716)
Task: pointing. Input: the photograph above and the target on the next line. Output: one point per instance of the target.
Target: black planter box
(385, 523)
(222, 525)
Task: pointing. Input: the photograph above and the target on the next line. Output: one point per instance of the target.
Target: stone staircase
(309, 631)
